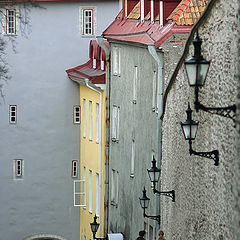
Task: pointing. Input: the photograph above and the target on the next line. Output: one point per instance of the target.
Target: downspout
(107, 137)
(100, 144)
(159, 61)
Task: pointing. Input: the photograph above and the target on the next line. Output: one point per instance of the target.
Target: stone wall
(207, 205)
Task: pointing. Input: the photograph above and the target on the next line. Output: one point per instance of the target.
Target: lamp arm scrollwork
(228, 112)
(170, 194)
(214, 155)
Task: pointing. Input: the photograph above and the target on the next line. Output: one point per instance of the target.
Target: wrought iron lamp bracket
(214, 155)
(170, 194)
(156, 218)
(228, 112)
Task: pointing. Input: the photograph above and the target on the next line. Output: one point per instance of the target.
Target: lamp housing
(154, 173)
(197, 67)
(144, 200)
(189, 127)
(94, 225)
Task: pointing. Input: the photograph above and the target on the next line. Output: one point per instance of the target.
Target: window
(84, 118)
(90, 191)
(90, 120)
(88, 21)
(13, 113)
(135, 84)
(76, 114)
(155, 91)
(97, 122)
(18, 168)
(11, 21)
(114, 187)
(132, 159)
(74, 168)
(116, 61)
(97, 195)
(84, 185)
(115, 123)
(102, 62)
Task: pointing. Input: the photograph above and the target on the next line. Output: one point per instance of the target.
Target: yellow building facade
(92, 158)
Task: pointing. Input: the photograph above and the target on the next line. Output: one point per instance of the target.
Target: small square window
(13, 113)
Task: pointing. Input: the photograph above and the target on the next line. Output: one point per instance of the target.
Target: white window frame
(88, 19)
(115, 123)
(74, 168)
(12, 114)
(155, 92)
(133, 158)
(97, 122)
(11, 30)
(84, 118)
(84, 186)
(90, 121)
(135, 81)
(90, 190)
(114, 187)
(102, 63)
(97, 190)
(77, 114)
(77, 193)
(116, 61)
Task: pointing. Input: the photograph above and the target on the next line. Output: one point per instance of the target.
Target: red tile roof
(86, 70)
(132, 30)
(188, 12)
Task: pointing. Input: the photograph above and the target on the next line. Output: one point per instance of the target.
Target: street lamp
(189, 128)
(197, 69)
(154, 175)
(144, 202)
(94, 227)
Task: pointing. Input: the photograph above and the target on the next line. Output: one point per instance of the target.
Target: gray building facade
(130, 153)
(39, 139)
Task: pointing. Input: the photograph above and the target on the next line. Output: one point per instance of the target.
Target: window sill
(88, 36)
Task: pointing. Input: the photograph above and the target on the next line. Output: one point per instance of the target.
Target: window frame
(115, 123)
(14, 27)
(84, 118)
(77, 119)
(116, 58)
(90, 195)
(11, 112)
(90, 10)
(90, 120)
(74, 168)
(97, 192)
(97, 122)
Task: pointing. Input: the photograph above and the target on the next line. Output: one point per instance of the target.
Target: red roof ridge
(180, 9)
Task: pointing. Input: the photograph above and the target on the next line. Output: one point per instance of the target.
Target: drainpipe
(107, 137)
(159, 60)
(100, 144)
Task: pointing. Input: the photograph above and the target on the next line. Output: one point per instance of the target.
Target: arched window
(45, 237)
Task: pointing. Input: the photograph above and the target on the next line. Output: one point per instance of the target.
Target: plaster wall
(90, 159)
(139, 123)
(44, 136)
(207, 196)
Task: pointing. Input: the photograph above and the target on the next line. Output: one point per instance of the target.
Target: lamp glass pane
(191, 69)
(194, 131)
(94, 227)
(202, 73)
(186, 131)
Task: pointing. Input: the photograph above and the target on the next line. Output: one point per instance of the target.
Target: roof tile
(188, 11)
